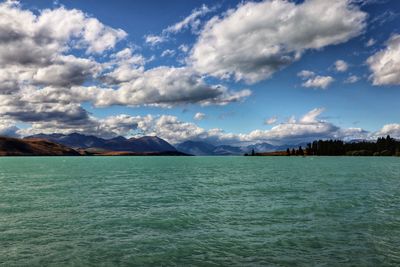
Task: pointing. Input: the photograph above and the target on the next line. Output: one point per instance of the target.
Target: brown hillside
(33, 147)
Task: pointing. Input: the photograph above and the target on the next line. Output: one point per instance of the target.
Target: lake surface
(200, 211)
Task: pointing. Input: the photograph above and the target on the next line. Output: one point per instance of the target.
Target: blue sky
(368, 103)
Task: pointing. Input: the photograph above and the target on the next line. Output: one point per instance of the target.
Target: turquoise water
(200, 211)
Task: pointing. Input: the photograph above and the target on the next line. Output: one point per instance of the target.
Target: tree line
(381, 147)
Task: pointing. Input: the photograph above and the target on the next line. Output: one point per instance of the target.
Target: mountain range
(200, 148)
(80, 141)
(89, 144)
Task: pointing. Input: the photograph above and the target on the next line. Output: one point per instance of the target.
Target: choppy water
(201, 211)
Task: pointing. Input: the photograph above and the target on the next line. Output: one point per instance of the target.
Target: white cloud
(154, 39)
(199, 116)
(256, 39)
(168, 53)
(315, 81)
(312, 115)
(29, 41)
(164, 86)
(352, 79)
(184, 48)
(304, 74)
(128, 57)
(390, 129)
(271, 121)
(58, 26)
(370, 42)
(321, 82)
(66, 71)
(8, 128)
(385, 64)
(341, 65)
(192, 21)
(308, 128)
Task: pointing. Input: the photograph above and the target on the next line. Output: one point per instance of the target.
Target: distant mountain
(196, 148)
(73, 140)
(266, 147)
(228, 150)
(33, 147)
(359, 141)
(80, 141)
(200, 148)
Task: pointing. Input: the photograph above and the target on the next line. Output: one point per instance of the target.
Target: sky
(224, 72)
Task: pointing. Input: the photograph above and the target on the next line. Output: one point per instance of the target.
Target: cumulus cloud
(390, 129)
(172, 129)
(321, 82)
(22, 107)
(8, 128)
(256, 39)
(312, 115)
(34, 47)
(28, 38)
(199, 116)
(165, 86)
(304, 74)
(341, 65)
(385, 64)
(66, 71)
(307, 128)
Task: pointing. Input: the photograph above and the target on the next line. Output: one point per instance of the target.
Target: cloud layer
(53, 60)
